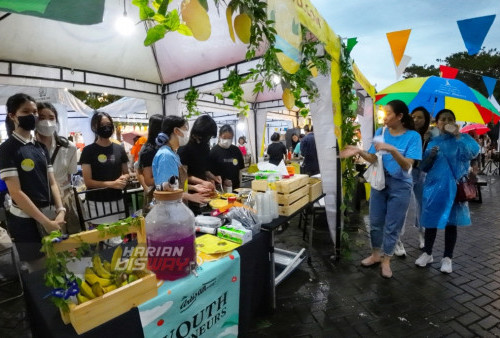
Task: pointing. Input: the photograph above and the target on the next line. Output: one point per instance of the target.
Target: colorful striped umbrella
(436, 93)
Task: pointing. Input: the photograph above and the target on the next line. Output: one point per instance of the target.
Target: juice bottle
(170, 233)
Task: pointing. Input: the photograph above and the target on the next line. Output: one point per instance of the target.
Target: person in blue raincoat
(446, 160)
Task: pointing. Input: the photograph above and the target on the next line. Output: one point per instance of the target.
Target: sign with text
(206, 305)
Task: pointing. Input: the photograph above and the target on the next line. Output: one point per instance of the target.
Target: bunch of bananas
(104, 276)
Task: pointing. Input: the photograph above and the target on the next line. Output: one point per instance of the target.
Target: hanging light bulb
(124, 25)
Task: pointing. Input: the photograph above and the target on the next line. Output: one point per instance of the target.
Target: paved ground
(343, 299)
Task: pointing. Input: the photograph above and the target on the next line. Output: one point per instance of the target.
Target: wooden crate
(315, 188)
(284, 186)
(287, 210)
(99, 310)
(287, 199)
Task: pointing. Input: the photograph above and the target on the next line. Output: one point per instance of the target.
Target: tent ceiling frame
(17, 69)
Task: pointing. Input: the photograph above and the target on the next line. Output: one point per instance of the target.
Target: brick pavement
(343, 299)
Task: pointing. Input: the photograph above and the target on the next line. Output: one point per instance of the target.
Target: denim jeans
(387, 213)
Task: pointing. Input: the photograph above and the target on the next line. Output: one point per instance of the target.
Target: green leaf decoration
(184, 30)
(145, 12)
(154, 34)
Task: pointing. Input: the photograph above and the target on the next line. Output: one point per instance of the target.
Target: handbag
(466, 190)
(374, 174)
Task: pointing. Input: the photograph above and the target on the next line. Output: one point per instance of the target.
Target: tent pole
(163, 99)
(254, 108)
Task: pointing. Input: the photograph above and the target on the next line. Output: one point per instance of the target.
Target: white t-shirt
(64, 164)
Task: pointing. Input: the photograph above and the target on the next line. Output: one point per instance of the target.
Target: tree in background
(470, 69)
(95, 100)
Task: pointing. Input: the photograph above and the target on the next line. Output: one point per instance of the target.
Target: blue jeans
(387, 213)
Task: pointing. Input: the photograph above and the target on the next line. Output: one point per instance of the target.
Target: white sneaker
(446, 265)
(424, 259)
(399, 249)
(421, 239)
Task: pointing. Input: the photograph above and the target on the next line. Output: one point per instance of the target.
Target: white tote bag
(374, 174)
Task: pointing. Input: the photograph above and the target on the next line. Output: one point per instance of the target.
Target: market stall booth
(166, 72)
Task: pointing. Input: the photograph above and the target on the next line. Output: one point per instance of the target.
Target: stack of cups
(263, 208)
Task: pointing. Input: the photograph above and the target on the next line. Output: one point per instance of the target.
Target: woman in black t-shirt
(276, 150)
(26, 169)
(226, 159)
(104, 165)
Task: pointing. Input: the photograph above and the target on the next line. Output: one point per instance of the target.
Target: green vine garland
(262, 31)
(191, 99)
(57, 275)
(348, 128)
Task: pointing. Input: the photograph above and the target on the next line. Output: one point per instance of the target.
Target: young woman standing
(26, 169)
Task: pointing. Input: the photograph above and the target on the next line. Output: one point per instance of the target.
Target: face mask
(105, 131)
(46, 127)
(184, 139)
(225, 143)
(27, 122)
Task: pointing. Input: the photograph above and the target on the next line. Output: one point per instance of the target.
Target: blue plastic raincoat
(451, 163)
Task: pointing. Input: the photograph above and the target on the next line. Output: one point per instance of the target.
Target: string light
(124, 25)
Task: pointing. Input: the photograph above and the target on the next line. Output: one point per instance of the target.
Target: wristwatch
(58, 210)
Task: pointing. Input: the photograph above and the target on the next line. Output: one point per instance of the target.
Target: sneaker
(424, 259)
(446, 265)
(421, 239)
(399, 249)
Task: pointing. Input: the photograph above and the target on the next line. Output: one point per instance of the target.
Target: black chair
(87, 214)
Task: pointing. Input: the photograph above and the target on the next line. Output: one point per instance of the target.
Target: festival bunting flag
(351, 42)
(397, 41)
(405, 61)
(490, 83)
(448, 72)
(474, 32)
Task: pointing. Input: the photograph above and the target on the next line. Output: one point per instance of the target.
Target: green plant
(191, 99)
(236, 92)
(164, 21)
(348, 128)
(345, 245)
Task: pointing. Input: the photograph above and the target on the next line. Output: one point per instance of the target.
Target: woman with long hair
(446, 160)
(400, 145)
(104, 166)
(422, 120)
(63, 158)
(26, 169)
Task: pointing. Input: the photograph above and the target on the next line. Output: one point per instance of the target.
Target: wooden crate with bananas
(109, 289)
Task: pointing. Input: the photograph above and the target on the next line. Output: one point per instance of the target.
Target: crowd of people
(421, 165)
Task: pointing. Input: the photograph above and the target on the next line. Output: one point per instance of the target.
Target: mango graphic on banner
(289, 33)
(397, 41)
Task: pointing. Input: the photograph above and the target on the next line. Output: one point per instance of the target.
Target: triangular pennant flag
(448, 72)
(474, 31)
(351, 42)
(490, 83)
(397, 41)
(405, 60)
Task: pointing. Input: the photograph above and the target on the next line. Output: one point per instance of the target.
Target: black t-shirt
(31, 163)
(146, 156)
(227, 163)
(106, 164)
(276, 150)
(195, 157)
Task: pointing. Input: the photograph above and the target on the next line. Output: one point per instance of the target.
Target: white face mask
(435, 132)
(46, 127)
(225, 143)
(184, 139)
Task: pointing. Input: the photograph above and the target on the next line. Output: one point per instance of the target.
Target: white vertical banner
(261, 124)
(324, 135)
(366, 123)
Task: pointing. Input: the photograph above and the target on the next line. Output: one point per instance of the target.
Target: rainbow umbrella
(436, 93)
(479, 128)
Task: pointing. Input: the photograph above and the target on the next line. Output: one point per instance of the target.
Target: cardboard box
(234, 235)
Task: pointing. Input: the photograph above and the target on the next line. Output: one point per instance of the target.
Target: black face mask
(27, 122)
(105, 131)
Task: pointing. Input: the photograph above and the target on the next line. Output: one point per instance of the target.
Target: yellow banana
(107, 266)
(132, 278)
(97, 289)
(117, 254)
(124, 283)
(86, 290)
(92, 278)
(98, 268)
(81, 298)
(109, 288)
